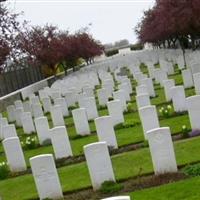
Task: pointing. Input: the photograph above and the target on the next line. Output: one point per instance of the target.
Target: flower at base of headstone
(184, 127)
(31, 142)
(161, 110)
(169, 107)
(4, 170)
(185, 131)
(166, 111)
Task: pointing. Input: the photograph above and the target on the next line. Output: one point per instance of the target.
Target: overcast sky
(110, 20)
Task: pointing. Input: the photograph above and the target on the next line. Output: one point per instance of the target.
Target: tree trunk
(65, 68)
(168, 43)
(193, 42)
(183, 49)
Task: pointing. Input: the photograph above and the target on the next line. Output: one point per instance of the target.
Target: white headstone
(102, 96)
(27, 123)
(109, 88)
(55, 94)
(14, 154)
(187, 78)
(99, 164)
(88, 91)
(160, 76)
(11, 113)
(27, 106)
(193, 107)
(127, 80)
(143, 100)
(57, 116)
(42, 94)
(71, 98)
(141, 89)
(91, 109)
(162, 150)
(81, 121)
(18, 104)
(3, 122)
(18, 113)
(149, 84)
(120, 95)
(196, 78)
(9, 131)
(42, 129)
(81, 97)
(35, 100)
(60, 142)
(178, 98)
(125, 88)
(46, 102)
(168, 84)
(105, 131)
(46, 177)
(115, 111)
(149, 119)
(61, 102)
(37, 110)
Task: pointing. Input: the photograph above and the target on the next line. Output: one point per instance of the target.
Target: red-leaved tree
(9, 30)
(170, 21)
(42, 45)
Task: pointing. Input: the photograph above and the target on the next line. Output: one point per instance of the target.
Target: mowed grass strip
(124, 136)
(188, 189)
(126, 165)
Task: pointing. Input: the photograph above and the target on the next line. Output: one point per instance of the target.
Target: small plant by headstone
(4, 170)
(166, 111)
(101, 107)
(192, 170)
(110, 187)
(30, 143)
(185, 131)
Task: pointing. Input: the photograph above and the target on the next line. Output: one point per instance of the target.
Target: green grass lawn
(182, 190)
(124, 137)
(76, 176)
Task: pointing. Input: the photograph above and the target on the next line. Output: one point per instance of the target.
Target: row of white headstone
(160, 141)
(100, 165)
(102, 122)
(58, 135)
(80, 118)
